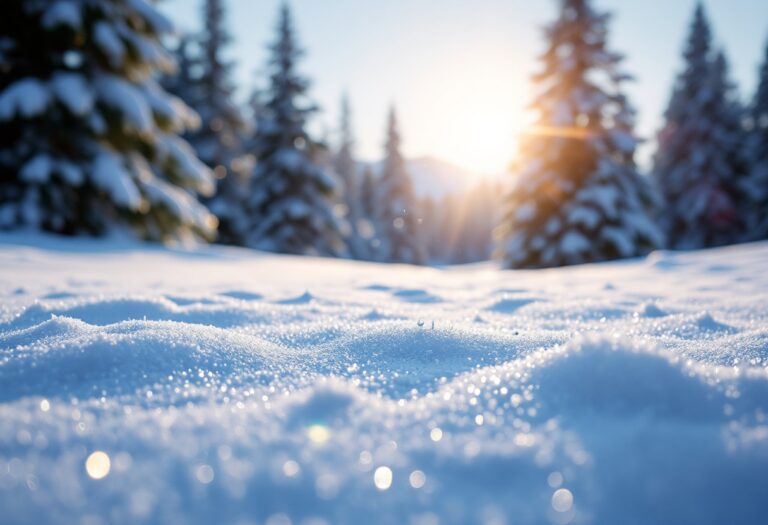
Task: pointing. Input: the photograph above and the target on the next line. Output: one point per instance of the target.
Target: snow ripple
(248, 449)
(386, 395)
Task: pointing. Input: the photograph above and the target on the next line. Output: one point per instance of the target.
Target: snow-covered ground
(148, 385)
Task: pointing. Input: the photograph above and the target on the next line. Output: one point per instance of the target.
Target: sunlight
(568, 132)
(469, 109)
(489, 146)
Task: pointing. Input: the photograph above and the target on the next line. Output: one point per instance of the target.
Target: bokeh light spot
(97, 465)
(562, 500)
(382, 478)
(417, 479)
(204, 474)
(318, 434)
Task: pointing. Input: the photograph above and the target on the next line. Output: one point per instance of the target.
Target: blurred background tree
(701, 161)
(579, 197)
(89, 141)
(291, 201)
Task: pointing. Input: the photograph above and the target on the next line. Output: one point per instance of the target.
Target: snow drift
(230, 387)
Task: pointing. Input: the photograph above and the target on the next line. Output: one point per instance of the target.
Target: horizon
(463, 100)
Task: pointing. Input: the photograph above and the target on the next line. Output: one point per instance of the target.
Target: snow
(290, 159)
(156, 20)
(584, 216)
(574, 243)
(621, 239)
(183, 205)
(27, 98)
(62, 13)
(71, 173)
(141, 384)
(72, 90)
(624, 141)
(127, 99)
(109, 43)
(37, 170)
(606, 197)
(110, 175)
(184, 157)
(526, 212)
(30, 97)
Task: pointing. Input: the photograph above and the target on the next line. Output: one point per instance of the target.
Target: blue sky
(458, 71)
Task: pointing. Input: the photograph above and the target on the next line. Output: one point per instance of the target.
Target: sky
(459, 71)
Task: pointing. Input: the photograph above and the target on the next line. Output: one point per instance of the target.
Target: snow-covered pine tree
(700, 162)
(368, 186)
(478, 212)
(367, 225)
(346, 168)
(449, 225)
(396, 216)
(735, 140)
(88, 139)
(430, 230)
(579, 196)
(757, 183)
(292, 196)
(218, 141)
(182, 83)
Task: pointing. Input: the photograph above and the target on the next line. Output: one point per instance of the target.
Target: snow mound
(413, 359)
(107, 311)
(652, 310)
(524, 429)
(67, 358)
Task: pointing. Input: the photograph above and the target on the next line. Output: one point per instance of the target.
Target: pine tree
(88, 139)
(367, 225)
(438, 227)
(757, 184)
(345, 166)
(478, 216)
(292, 196)
(396, 216)
(368, 186)
(579, 196)
(430, 230)
(182, 83)
(450, 223)
(218, 141)
(700, 163)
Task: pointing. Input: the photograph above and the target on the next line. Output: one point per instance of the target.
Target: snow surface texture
(146, 385)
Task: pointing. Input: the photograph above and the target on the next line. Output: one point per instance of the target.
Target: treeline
(103, 129)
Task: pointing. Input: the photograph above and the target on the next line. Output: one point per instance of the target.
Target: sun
(481, 120)
(469, 108)
(483, 141)
(490, 145)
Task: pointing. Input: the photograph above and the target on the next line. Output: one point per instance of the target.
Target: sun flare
(470, 111)
(490, 146)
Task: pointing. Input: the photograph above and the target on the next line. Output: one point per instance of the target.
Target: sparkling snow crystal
(225, 386)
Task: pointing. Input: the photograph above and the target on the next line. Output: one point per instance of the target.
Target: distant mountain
(435, 177)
